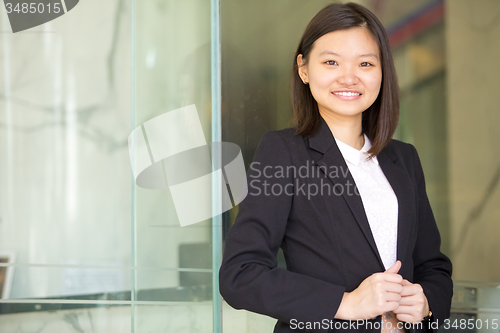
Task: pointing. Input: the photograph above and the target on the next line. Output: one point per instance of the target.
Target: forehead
(346, 43)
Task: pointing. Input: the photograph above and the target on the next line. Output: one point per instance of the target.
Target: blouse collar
(353, 155)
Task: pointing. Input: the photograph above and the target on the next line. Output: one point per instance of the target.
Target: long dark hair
(380, 120)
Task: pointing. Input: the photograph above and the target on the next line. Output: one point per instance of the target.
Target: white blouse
(378, 197)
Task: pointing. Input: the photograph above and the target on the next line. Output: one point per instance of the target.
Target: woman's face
(343, 60)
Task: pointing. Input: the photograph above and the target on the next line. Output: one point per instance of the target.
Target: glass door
(98, 107)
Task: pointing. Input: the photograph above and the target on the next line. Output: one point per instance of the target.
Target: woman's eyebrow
(359, 56)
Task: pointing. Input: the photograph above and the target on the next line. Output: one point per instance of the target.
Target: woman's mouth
(347, 96)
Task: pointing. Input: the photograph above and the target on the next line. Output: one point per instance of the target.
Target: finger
(406, 309)
(393, 287)
(411, 300)
(407, 318)
(392, 277)
(406, 283)
(408, 291)
(414, 289)
(392, 297)
(394, 268)
(391, 306)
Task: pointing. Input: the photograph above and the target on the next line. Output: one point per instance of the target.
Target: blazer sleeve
(432, 269)
(249, 277)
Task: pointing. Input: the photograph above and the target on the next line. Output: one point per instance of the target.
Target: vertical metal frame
(216, 137)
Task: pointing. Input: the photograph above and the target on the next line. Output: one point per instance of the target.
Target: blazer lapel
(398, 177)
(324, 142)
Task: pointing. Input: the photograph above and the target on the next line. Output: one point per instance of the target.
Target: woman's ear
(302, 69)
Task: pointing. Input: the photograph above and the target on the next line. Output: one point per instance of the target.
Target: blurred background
(83, 249)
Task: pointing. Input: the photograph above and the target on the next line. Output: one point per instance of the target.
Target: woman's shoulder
(285, 134)
(406, 153)
(400, 148)
(281, 138)
(281, 144)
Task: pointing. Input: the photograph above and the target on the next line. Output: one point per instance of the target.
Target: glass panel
(191, 317)
(186, 285)
(63, 148)
(172, 71)
(70, 282)
(64, 318)
(72, 228)
(65, 208)
(65, 171)
(172, 67)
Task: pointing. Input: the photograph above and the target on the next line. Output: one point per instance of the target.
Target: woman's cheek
(372, 81)
(325, 81)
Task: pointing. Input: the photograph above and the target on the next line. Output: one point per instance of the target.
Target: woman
(345, 201)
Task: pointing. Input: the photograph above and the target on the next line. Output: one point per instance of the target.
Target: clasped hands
(383, 292)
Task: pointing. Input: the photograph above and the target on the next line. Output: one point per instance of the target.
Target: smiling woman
(369, 256)
(345, 50)
(343, 83)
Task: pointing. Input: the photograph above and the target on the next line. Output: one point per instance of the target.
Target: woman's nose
(348, 76)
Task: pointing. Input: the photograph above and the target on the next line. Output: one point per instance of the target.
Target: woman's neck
(347, 130)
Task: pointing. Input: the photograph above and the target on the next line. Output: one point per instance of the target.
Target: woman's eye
(333, 62)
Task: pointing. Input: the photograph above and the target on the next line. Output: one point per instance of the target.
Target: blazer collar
(324, 142)
(323, 139)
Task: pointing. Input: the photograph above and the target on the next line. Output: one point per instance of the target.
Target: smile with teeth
(346, 94)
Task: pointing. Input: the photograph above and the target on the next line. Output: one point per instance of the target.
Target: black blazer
(326, 238)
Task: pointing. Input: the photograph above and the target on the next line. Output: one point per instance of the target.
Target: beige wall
(473, 78)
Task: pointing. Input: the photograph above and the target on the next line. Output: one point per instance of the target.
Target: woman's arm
(432, 269)
(249, 277)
